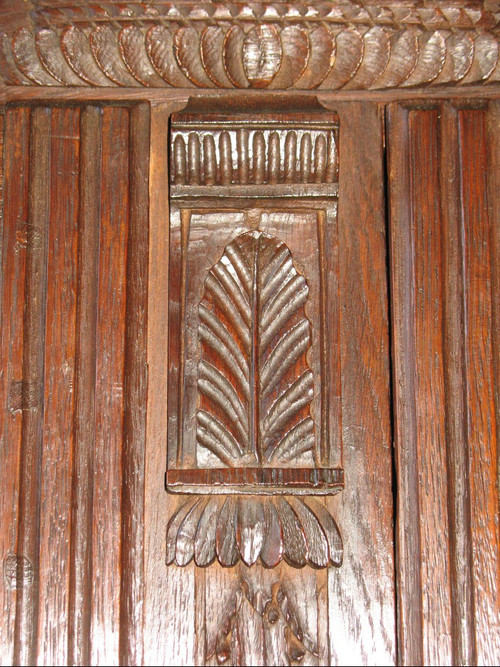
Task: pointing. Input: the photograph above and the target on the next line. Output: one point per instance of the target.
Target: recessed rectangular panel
(254, 367)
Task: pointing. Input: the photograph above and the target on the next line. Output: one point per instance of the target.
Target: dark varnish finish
(361, 631)
(443, 291)
(73, 331)
(84, 394)
(58, 435)
(135, 388)
(28, 537)
(15, 205)
(80, 583)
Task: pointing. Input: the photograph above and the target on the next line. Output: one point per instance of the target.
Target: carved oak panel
(254, 376)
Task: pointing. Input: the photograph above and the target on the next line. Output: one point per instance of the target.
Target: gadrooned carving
(325, 46)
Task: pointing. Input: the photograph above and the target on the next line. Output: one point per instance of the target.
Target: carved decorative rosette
(304, 46)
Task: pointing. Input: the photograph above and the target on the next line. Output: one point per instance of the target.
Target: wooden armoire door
(249, 333)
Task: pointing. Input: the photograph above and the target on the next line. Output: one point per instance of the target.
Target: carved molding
(254, 402)
(299, 531)
(302, 46)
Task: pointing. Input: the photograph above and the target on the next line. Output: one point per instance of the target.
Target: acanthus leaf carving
(250, 529)
(254, 381)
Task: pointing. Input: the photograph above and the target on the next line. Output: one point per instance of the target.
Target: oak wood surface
(445, 424)
(361, 631)
(16, 156)
(85, 266)
(258, 45)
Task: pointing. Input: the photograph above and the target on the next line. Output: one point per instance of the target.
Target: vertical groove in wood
(110, 347)
(57, 453)
(15, 159)
(493, 134)
(81, 579)
(429, 386)
(463, 641)
(134, 426)
(26, 625)
(410, 631)
(482, 427)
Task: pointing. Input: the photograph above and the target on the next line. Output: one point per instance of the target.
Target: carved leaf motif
(300, 531)
(253, 379)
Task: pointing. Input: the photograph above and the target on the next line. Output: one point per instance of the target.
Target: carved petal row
(267, 55)
(453, 13)
(300, 531)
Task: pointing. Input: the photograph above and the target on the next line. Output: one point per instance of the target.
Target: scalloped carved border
(303, 46)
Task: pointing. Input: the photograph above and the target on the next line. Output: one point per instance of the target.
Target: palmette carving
(299, 531)
(260, 45)
(254, 426)
(253, 378)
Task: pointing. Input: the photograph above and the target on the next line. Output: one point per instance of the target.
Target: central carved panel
(254, 381)
(254, 375)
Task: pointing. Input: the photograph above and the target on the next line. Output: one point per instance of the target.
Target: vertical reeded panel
(58, 446)
(15, 203)
(74, 266)
(443, 295)
(482, 428)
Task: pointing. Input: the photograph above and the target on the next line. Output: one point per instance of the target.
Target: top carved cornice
(300, 45)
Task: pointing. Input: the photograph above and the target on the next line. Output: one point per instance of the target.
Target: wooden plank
(26, 625)
(463, 641)
(421, 446)
(109, 402)
(57, 453)
(429, 386)
(15, 160)
(410, 631)
(81, 583)
(134, 418)
(482, 427)
(493, 147)
(361, 591)
(169, 609)
(169, 618)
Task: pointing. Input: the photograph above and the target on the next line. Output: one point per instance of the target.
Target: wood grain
(135, 389)
(362, 632)
(443, 328)
(15, 161)
(481, 427)
(84, 289)
(168, 598)
(80, 582)
(110, 348)
(27, 603)
(454, 375)
(252, 45)
(59, 382)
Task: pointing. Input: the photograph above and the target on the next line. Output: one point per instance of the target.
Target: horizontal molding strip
(256, 481)
(300, 46)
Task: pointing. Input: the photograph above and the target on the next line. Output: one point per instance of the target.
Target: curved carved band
(340, 45)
